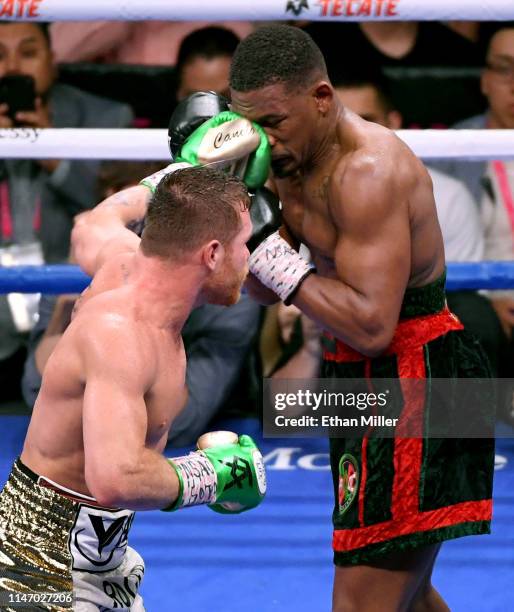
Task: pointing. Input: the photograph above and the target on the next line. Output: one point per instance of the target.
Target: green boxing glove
(229, 477)
(230, 142)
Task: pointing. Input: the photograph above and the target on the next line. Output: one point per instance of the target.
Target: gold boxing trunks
(59, 550)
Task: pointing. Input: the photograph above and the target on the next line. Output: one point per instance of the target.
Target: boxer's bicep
(372, 253)
(117, 376)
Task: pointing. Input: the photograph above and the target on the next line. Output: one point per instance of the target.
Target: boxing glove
(229, 477)
(265, 213)
(232, 143)
(279, 267)
(189, 114)
(154, 179)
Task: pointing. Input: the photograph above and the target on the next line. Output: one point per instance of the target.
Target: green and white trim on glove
(154, 179)
(229, 478)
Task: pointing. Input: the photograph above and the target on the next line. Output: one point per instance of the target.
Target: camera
(18, 92)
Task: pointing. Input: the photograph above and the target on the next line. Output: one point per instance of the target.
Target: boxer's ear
(213, 254)
(323, 95)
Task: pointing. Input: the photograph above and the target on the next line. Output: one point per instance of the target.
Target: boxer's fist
(229, 477)
(232, 143)
(216, 438)
(241, 476)
(279, 267)
(189, 114)
(265, 214)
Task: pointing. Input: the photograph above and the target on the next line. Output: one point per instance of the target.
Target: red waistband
(409, 334)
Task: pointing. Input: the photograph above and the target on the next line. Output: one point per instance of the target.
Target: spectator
(457, 212)
(124, 42)
(203, 62)
(497, 84)
(399, 49)
(477, 32)
(393, 43)
(492, 183)
(456, 209)
(217, 339)
(38, 199)
(290, 344)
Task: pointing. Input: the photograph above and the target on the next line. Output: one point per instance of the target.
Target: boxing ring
(277, 557)
(127, 144)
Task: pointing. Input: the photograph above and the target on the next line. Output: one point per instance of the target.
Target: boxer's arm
(101, 232)
(255, 289)
(119, 368)
(372, 257)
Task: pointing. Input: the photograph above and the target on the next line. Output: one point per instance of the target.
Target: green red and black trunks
(398, 493)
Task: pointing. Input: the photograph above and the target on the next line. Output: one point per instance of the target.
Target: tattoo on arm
(132, 206)
(125, 273)
(118, 199)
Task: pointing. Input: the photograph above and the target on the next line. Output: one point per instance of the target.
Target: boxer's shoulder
(379, 160)
(109, 322)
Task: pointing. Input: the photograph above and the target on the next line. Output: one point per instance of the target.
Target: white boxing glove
(154, 179)
(279, 267)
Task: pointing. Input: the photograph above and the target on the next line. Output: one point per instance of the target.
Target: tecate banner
(259, 10)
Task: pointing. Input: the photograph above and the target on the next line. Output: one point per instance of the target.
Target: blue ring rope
(62, 278)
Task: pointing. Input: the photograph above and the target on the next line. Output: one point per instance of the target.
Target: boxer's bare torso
(111, 318)
(359, 199)
(377, 159)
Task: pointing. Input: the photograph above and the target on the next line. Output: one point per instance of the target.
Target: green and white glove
(230, 142)
(154, 179)
(229, 478)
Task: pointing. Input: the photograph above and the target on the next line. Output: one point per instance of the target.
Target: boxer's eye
(277, 122)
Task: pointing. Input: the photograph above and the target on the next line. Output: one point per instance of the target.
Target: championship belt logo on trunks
(99, 537)
(348, 482)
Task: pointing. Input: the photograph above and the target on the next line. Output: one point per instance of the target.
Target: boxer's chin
(283, 167)
(225, 297)
(225, 288)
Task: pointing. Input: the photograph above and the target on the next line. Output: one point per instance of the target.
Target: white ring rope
(258, 10)
(145, 144)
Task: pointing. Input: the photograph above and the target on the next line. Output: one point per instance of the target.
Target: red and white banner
(258, 10)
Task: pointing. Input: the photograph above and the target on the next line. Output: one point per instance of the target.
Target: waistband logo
(99, 538)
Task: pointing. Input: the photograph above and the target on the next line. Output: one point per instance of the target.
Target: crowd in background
(100, 74)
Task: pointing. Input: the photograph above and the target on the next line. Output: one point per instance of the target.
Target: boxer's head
(279, 79)
(200, 216)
